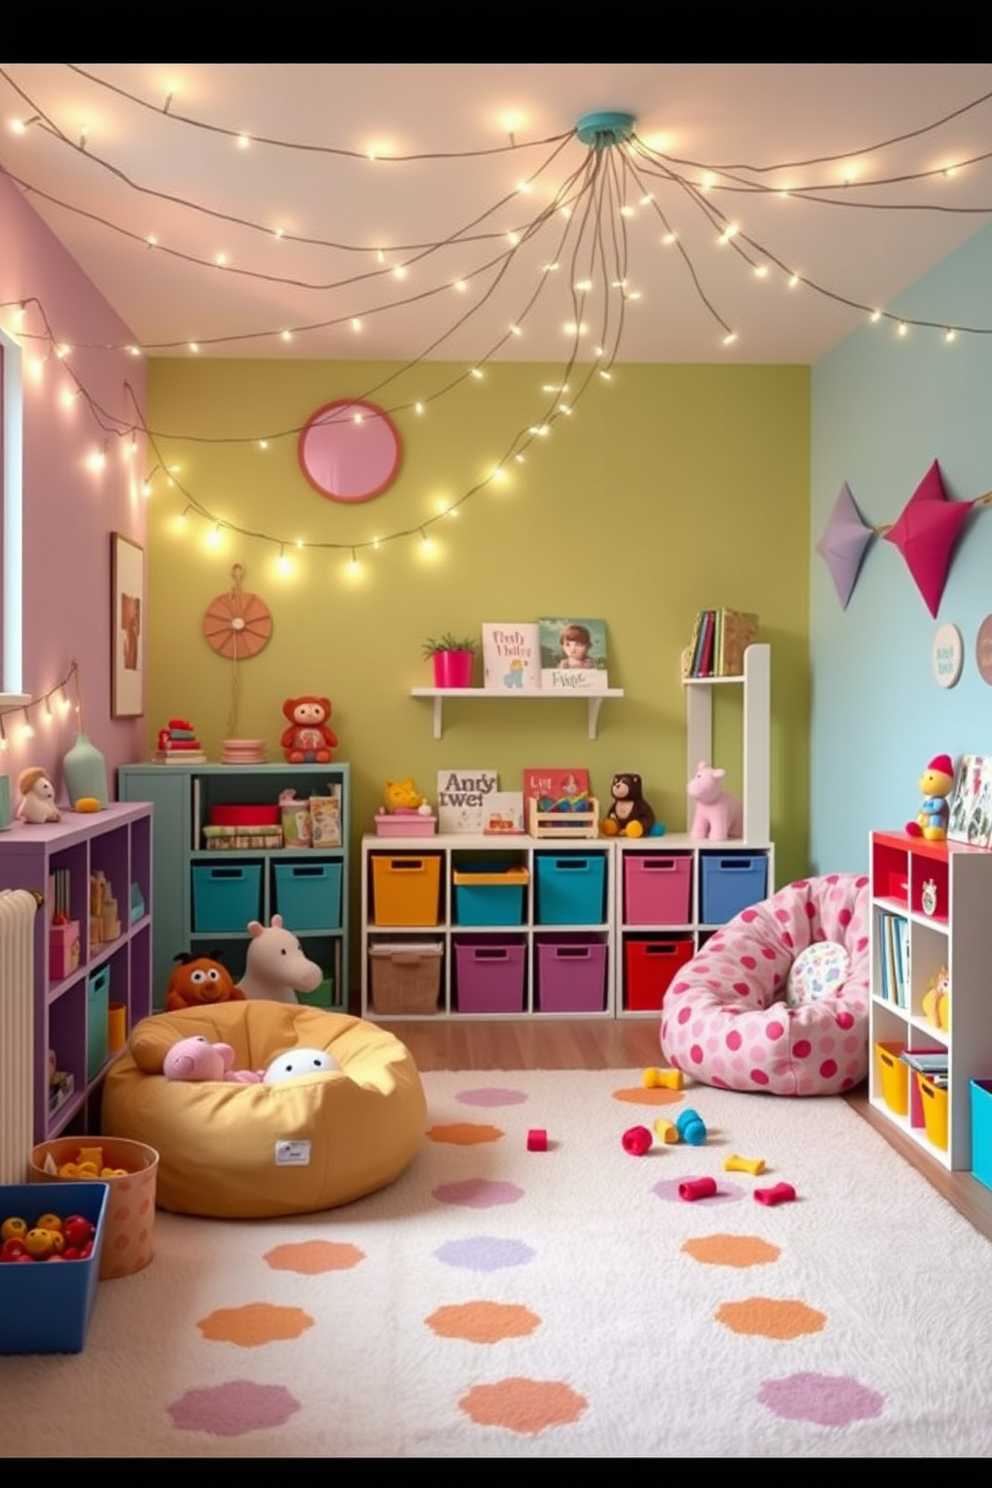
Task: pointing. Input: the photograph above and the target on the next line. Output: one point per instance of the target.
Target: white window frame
(12, 492)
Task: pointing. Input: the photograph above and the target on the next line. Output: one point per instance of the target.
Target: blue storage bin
(45, 1309)
(226, 896)
(308, 895)
(489, 896)
(981, 1131)
(97, 1020)
(571, 888)
(731, 882)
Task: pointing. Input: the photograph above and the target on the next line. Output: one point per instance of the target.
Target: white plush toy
(299, 1062)
(37, 796)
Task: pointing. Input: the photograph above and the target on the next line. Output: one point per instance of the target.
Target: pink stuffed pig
(718, 814)
(197, 1059)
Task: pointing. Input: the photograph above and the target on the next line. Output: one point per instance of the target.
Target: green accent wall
(667, 490)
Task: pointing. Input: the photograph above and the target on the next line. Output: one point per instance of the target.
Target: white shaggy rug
(566, 1303)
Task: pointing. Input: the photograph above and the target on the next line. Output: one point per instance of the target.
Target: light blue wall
(883, 408)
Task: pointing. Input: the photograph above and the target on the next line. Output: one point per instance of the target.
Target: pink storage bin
(657, 888)
(490, 974)
(399, 824)
(571, 974)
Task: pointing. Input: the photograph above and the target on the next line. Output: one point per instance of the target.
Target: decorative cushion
(816, 972)
(248, 1151)
(726, 1021)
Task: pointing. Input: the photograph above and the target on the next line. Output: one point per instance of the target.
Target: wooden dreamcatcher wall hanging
(237, 625)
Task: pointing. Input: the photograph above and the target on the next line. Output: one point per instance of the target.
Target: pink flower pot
(453, 668)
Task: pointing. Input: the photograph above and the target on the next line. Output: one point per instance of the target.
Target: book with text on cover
(573, 655)
(511, 656)
(557, 790)
(462, 798)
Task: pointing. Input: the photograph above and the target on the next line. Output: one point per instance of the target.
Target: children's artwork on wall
(127, 589)
(970, 818)
(983, 650)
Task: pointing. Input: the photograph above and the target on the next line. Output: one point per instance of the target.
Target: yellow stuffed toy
(936, 786)
(402, 795)
(937, 1000)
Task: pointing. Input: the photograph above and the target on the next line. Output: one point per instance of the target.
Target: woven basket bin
(405, 981)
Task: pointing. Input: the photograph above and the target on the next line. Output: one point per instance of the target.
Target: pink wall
(69, 509)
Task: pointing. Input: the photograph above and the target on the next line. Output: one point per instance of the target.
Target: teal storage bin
(731, 882)
(308, 895)
(227, 896)
(981, 1131)
(571, 888)
(97, 1020)
(46, 1309)
(487, 895)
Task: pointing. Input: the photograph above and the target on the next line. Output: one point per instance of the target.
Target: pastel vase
(453, 668)
(84, 770)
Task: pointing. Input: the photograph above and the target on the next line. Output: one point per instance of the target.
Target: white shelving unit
(524, 973)
(700, 694)
(954, 882)
(593, 701)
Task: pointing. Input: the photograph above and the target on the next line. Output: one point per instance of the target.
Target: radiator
(17, 1051)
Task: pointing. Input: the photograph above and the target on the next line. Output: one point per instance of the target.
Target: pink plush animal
(197, 1059)
(275, 966)
(718, 814)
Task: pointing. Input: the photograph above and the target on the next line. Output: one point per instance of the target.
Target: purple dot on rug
(824, 1399)
(492, 1095)
(478, 1193)
(484, 1253)
(727, 1193)
(233, 1409)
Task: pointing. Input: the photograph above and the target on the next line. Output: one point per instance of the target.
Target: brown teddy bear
(629, 814)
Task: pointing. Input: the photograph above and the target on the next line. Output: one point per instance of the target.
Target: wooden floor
(631, 1043)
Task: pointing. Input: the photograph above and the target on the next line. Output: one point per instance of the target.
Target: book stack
(931, 1063)
(893, 957)
(178, 745)
(719, 640)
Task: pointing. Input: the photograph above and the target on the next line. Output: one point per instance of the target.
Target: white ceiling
(145, 164)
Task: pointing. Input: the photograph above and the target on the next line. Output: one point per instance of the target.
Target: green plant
(448, 642)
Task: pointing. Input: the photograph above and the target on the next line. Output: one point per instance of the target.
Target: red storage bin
(651, 966)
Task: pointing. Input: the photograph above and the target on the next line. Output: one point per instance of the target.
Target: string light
(41, 702)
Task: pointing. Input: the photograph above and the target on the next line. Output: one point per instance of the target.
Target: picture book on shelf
(970, 816)
(462, 799)
(557, 790)
(511, 659)
(573, 655)
(503, 813)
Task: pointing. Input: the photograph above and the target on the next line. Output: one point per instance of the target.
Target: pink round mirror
(349, 450)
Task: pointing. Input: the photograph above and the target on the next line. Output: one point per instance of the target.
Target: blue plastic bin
(46, 1309)
(981, 1131)
(97, 1020)
(308, 895)
(571, 888)
(488, 895)
(226, 896)
(731, 882)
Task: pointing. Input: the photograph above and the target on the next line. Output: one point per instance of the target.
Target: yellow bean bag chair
(251, 1151)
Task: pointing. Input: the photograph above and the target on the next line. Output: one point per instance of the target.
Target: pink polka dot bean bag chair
(777, 1000)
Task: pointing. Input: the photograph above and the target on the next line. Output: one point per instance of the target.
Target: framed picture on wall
(970, 818)
(127, 604)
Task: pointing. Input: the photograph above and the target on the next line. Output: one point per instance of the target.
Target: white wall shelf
(593, 701)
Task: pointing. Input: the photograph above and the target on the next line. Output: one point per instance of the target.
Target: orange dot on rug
(483, 1322)
(465, 1133)
(254, 1324)
(524, 1405)
(731, 1250)
(314, 1257)
(640, 1095)
(771, 1317)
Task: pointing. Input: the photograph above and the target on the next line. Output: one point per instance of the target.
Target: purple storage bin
(656, 888)
(490, 974)
(571, 974)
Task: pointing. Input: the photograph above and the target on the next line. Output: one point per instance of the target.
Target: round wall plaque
(983, 650)
(947, 655)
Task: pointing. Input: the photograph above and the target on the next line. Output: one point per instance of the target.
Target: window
(11, 533)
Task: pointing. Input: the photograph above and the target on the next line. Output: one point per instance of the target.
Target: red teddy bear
(308, 740)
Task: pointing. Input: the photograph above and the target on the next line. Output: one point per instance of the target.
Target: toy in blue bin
(46, 1305)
